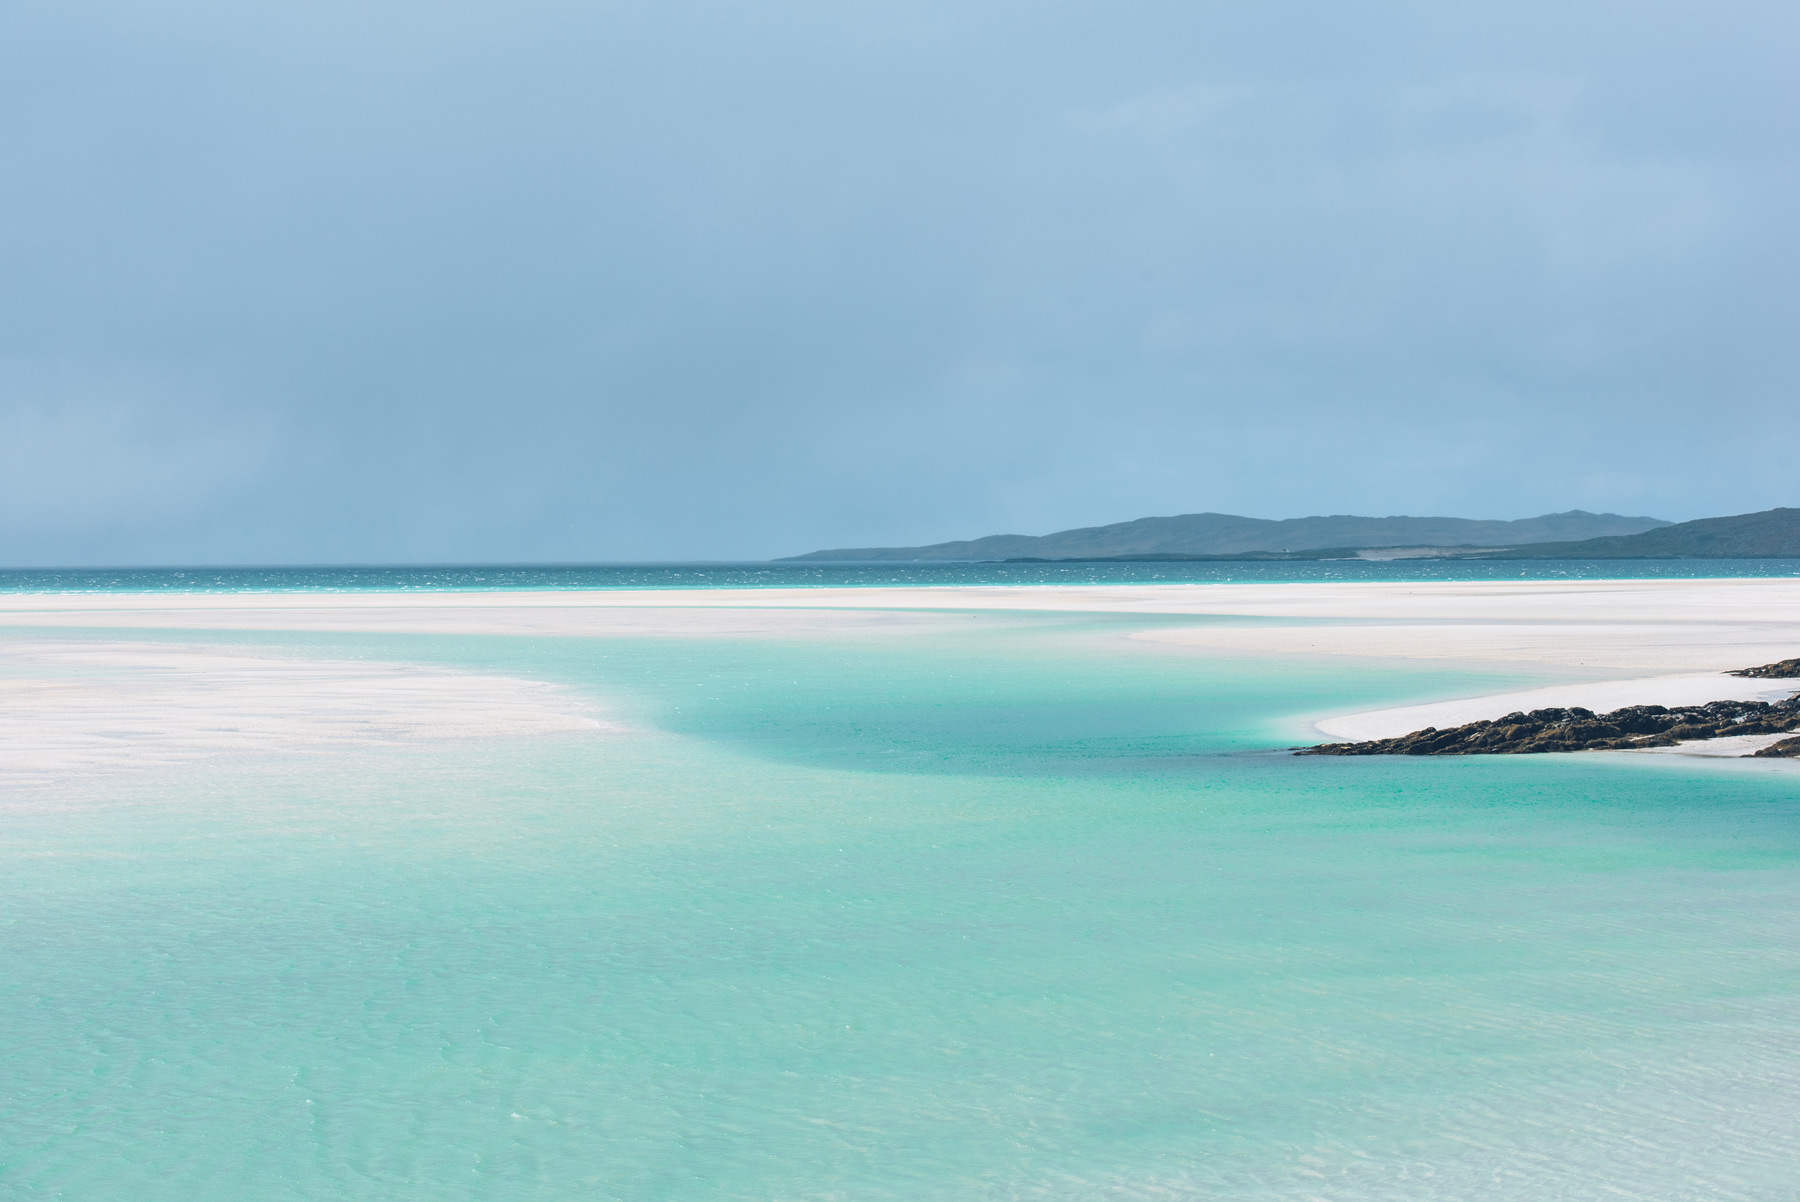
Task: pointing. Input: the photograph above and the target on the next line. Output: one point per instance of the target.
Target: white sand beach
(102, 702)
(1643, 627)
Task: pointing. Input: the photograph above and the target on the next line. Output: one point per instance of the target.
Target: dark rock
(1789, 748)
(1577, 729)
(1780, 671)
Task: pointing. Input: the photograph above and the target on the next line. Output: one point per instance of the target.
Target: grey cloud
(628, 280)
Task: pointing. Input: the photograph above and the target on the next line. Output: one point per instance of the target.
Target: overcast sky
(536, 280)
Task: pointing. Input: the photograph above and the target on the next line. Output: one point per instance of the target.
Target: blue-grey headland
(1576, 534)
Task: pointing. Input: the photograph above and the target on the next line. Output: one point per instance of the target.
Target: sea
(899, 574)
(1013, 908)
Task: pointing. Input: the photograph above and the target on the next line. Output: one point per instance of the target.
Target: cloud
(633, 280)
(81, 455)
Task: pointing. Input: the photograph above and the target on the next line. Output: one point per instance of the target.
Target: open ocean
(441, 577)
(1019, 911)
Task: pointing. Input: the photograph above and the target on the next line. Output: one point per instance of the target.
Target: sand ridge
(1643, 626)
(71, 710)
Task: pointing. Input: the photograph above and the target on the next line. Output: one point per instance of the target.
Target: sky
(327, 282)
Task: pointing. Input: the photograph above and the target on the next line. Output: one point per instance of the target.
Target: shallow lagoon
(1022, 912)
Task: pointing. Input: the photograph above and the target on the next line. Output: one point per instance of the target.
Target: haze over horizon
(626, 281)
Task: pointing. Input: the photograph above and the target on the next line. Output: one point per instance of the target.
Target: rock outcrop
(1577, 729)
(1786, 668)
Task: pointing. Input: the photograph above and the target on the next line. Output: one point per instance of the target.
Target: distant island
(1223, 534)
(1577, 534)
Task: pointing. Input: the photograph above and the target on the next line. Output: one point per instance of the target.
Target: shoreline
(1599, 696)
(1636, 642)
(1615, 629)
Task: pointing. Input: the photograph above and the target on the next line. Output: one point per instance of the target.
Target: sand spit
(70, 710)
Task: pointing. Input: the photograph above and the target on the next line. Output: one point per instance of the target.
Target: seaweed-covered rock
(1577, 729)
(1789, 748)
(1780, 671)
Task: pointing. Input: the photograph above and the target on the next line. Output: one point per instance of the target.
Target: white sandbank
(72, 710)
(1643, 626)
(1635, 642)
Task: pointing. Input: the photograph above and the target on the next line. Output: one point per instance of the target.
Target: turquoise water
(846, 575)
(1025, 911)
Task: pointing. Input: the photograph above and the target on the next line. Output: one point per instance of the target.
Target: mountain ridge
(1230, 534)
(1765, 534)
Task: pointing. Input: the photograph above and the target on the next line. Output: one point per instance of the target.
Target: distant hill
(1206, 534)
(1770, 534)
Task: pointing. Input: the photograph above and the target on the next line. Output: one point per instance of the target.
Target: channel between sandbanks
(1666, 642)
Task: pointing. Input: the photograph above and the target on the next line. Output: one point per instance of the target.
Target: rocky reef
(1577, 729)
(1782, 670)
